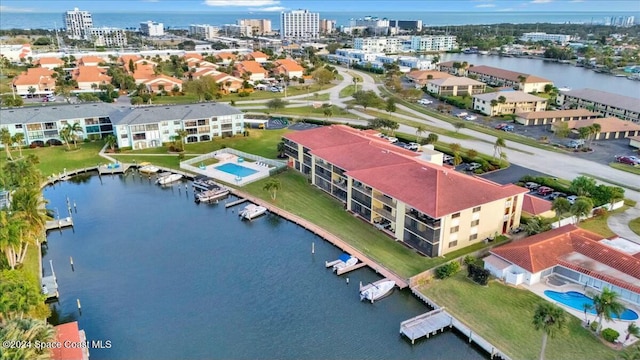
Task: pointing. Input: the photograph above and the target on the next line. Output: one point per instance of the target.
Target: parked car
(572, 199)
(470, 117)
(544, 190)
(425, 102)
(447, 159)
(625, 160)
(462, 114)
(575, 143)
(531, 185)
(635, 158)
(500, 126)
(401, 144)
(555, 195)
(413, 146)
(507, 128)
(473, 166)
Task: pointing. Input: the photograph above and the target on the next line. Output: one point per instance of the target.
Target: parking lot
(510, 175)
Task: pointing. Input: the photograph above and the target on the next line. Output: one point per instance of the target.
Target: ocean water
(182, 20)
(163, 278)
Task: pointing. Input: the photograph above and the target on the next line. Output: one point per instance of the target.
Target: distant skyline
(376, 7)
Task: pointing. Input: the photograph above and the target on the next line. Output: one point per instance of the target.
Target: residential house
(228, 83)
(127, 60)
(90, 61)
(288, 67)
(607, 104)
(426, 206)
(50, 62)
(250, 70)
(197, 64)
(513, 101)
(151, 126)
(159, 83)
(258, 56)
(420, 77)
(535, 206)
(205, 71)
(459, 69)
(574, 254)
(39, 80)
(90, 78)
(67, 334)
(226, 58)
(610, 128)
(42, 125)
(499, 77)
(455, 86)
(143, 72)
(549, 117)
(192, 56)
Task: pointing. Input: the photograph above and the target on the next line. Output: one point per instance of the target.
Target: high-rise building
(327, 26)
(152, 28)
(258, 26)
(76, 22)
(406, 25)
(105, 36)
(541, 36)
(299, 25)
(203, 31)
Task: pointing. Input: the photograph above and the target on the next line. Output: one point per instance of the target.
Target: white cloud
(4, 8)
(269, 9)
(485, 6)
(541, 1)
(241, 2)
(506, 9)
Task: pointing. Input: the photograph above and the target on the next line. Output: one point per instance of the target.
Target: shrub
(610, 335)
(468, 260)
(447, 270)
(478, 274)
(593, 326)
(599, 212)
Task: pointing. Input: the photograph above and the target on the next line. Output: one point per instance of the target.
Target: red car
(625, 160)
(500, 126)
(544, 190)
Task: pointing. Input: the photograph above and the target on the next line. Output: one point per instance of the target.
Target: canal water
(163, 278)
(562, 75)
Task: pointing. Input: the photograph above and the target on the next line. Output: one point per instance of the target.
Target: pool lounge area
(576, 300)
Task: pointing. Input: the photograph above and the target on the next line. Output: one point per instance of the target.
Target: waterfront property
(610, 128)
(500, 77)
(67, 334)
(431, 208)
(455, 86)
(143, 127)
(549, 117)
(514, 101)
(607, 104)
(420, 77)
(574, 254)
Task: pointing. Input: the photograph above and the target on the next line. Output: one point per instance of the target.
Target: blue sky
(377, 6)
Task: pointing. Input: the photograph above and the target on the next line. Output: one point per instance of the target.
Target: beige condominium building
(507, 102)
(429, 207)
(500, 77)
(455, 86)
(607, 104)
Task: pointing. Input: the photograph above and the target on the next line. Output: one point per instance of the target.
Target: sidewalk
(619, 224)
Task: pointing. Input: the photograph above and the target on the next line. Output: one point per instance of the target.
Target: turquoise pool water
(236, 170)
(575, 300)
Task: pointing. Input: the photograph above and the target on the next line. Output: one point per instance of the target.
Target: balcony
(362, 188)
(384, 213)
(427, 220)
(385, 199)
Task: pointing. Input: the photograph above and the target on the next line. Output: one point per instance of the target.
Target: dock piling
(71, 261)
(313, 248)
(79, 306)
(347, 280)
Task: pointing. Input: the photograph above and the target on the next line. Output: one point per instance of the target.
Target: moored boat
(376, 290)
(148, 168)
(210, 195)
(168, 179)
(252, 211)
(203, 183)
(345, 262)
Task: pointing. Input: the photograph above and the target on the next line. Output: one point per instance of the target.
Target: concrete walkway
(619, 224)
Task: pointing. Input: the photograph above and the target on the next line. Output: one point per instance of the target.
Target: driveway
(511, 175)
(619, 224)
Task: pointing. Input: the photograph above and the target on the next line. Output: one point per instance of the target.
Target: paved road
(619, 224)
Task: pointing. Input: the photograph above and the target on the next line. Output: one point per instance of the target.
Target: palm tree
(606, 304)
(632, 329)
(561, 206)
(455, 148)
(30, 331)
(272, 186)
(18, 138)
(586, 307)
(111, 141)
(328, 112)
(281, 148)
(182, 134)
(432, 138)
(595, 130)
(581, 208)
(550, 319)
(471, 153)
(65, 134)
(503, 157)
(73, 132)
(5, 139)
(498, 146)
(419, 131)
(11, 229)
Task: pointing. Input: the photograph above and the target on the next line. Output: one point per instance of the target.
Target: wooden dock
(335, 240)
(59, 224)
(49, 284)
(426, 324)
(234, 203)
(109, 170)
(350, 268)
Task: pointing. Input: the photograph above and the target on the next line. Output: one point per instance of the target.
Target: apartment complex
(610, 128)
(500, 77)
(550, 117)
(395, 44)
(429, 207)
(327, 26)
(406, 25)
(541, 36)
(76, 22)
(256, 26)
(455, 86)
(152, 28)
(106, 36)
(507, 102)
(203, 31)
(299, 25)
(607, 104)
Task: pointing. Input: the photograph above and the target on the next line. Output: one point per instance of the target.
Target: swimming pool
(236, 170)
(575, 300)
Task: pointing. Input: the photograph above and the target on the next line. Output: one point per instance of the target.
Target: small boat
(252, 211)
(148, 168)
(164, 180)
(203, 183)
(210, 195)
(344, 261)
(483, 52)
(376, 290)
(564, 88)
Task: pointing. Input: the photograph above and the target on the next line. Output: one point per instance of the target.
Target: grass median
(503, 315)
(625, 167)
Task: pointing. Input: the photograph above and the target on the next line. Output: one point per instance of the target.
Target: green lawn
(54, 159)
(599, 225)
(634, 225)
(503, 314)
(468, 100)
(347, 91)
(415, 124)
(309, 111)
(319, 97)
(625, 167)
(295, 196)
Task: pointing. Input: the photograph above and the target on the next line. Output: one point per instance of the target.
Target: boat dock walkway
(51, 285)
(59, 224)
(431, 322)
(109, 169)
(350, 268)
(335, 240)
(234, 203)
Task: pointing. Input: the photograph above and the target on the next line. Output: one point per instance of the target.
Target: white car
(462, 114)
(425, 102)
(470, 117)
(572, 199)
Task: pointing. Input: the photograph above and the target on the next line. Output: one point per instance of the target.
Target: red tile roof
(289, 65)
(35, 76)
(91, 74)
(257, 55)
(90, 59)
(534, 205)
(607, 125)
(193, 56)
(67, 332)
(325, 136)
(432, 189)
(250, 66)
(361, 155)
(557, 246)
(50, 60)
(505, 74)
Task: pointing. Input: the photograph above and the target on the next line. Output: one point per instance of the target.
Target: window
(455, 229)
(453, 243)
(475, 222)
(124, 136)
(455, 216)
(177, 122)
(473, 237)
(476, 209)
(18, 126)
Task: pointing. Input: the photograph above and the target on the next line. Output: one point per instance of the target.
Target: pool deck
(211, 171)
(618, 325)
